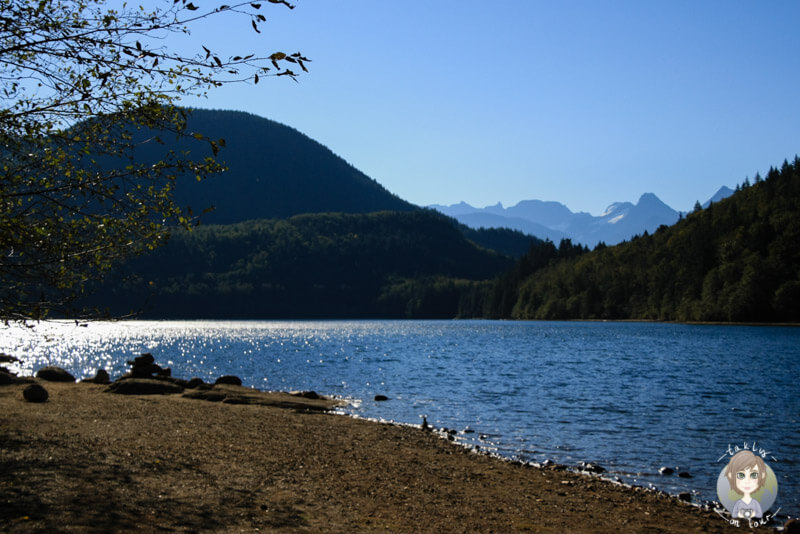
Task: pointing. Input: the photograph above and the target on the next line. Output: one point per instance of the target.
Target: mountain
(491, 220)
(553, 220)
(299, 232)
(723, 193)
(274, 171)
(624, 220)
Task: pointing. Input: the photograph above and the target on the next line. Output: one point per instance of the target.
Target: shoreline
(172, 462)
(405, 319)
(775, 521)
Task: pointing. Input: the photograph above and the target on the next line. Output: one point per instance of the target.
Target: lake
(631, 397)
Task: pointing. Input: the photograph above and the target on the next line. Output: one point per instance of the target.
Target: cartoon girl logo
(747, 486)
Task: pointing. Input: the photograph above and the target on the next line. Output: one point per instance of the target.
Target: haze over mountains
(553, 220)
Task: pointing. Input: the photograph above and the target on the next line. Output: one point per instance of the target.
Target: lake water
(632, 397)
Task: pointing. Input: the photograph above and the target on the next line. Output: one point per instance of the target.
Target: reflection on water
(630, 396)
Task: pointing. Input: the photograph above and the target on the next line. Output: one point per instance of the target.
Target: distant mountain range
(554, 221)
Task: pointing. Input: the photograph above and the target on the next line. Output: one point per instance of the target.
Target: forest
(738, 260)
(381, 264)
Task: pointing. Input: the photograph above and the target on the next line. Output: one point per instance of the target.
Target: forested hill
(384, 264)
(736, 260)
(274, 171)
(298, 232)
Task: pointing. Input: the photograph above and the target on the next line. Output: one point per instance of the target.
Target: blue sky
(586, 103)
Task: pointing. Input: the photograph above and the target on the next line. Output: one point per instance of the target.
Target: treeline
(737, 260)
(383, 264)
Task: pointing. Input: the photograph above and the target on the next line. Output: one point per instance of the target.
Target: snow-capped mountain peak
(553, 220)
(616, 209)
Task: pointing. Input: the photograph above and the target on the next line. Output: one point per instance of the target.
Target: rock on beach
(100, 377)
(145, 366)
(51, 373)
(35, 393)
(229, 379)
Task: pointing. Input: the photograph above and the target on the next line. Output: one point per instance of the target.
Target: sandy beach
(92, 461)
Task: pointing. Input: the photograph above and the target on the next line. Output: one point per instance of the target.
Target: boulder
(684, 474)
(590, 467)
(35, 393)
(144, 366)
(306, 394)
(666, 471)
(7, 377)
(194, 382)
(100, 377)
(5, 358)
(142, 360)
(381, 398)
(52, 373)
(229, 379)
(144, 386)
(685, 496)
